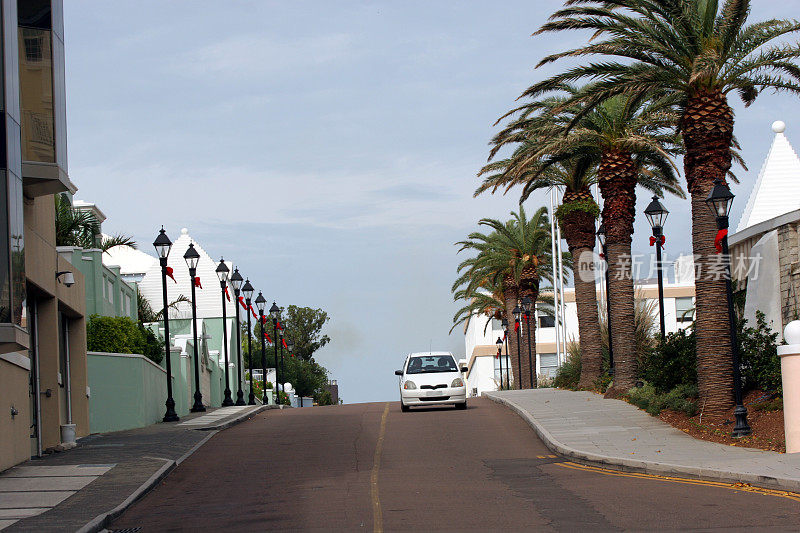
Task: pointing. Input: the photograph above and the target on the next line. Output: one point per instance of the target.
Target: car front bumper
(420, 397)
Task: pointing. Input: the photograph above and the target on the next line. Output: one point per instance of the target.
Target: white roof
(777, 189)
(209, 298)
(129, 260)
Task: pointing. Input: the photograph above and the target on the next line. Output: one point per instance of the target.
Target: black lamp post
(527, 307)
(517, 312)
(499, 344)
(504, 323)
(274, 312)
(192, 258)
(236, 280)
(601, 236)
(719, 201)
(261, 303)
(222, 274)
(247, 290)
(283, 365)
(657, 214)
(163, 245)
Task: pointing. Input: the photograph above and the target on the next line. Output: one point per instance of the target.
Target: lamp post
(274, 312)
(222, 273)
(261, 303)
(236, 281)
(283, 365)
(517, 312)
(601, 236)
(657, 214)
(247, 290)
(719, 201)
(499, 344)
(192, 258)
(504, 324)
(163, 245)
(527, 307)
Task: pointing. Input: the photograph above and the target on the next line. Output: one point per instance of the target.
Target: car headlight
(458, 382)
(409, 385)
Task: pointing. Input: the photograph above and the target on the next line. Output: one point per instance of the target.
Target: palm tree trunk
(617, 178)
(707, 128)
(529, 286)
(579, 230)
(510, 296)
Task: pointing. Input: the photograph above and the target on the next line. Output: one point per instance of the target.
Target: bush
(761, 366)
(569, 374)
(122, 335)
(671, 363)
(649, 399)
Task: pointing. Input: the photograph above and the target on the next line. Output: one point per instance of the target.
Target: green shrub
(761, 366)
(649, 399)
(775, 404)
(670, 363)
(569, 374)
(122, 335)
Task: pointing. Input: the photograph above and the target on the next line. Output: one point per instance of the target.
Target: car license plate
(435, 393)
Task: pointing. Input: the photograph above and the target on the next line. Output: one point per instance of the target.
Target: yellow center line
(377, 514)
(730, 486)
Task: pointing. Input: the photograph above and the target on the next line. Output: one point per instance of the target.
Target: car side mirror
(398, 372)
(464, 369)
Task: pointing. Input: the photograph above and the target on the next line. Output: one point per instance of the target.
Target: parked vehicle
(432, 378)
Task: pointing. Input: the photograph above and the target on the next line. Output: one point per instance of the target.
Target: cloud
(253, 55)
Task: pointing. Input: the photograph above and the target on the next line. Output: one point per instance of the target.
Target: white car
(432, 378)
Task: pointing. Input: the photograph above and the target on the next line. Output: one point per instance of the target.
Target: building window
(548, 364)
(684, 309)
(547, 321)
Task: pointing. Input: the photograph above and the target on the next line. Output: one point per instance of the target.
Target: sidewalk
(587, 427)
(70, 490)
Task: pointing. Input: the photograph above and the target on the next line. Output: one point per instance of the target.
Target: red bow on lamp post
(227, 294)
(197, 282)
(269, 339)
(721, 234)
(241, 302)
(170, 273)
(654, 240)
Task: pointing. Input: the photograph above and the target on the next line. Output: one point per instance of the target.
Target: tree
(75, 227)
(695, 52)
(629, 141)
(514, 255)
(303, 325)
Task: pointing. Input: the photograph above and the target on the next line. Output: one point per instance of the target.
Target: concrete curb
(238, 418)
(99, 522)
(625, 464)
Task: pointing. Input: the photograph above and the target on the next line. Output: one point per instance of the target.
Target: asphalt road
(369, 467)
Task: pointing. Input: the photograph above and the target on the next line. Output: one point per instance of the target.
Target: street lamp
(527, 307)
(504, 324)
(261, 303)
(222, 273)
(517, 312)
(236, 280)
(274, 313)
(283, 365)
(719, 201)
(247, 290)
(657, 214)
(601, 236)
(499, 343)
(192, 258)
(163, 245)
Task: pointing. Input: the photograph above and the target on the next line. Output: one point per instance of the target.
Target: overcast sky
(329, 148)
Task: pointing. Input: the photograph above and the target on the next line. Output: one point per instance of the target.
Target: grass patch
(678, 399)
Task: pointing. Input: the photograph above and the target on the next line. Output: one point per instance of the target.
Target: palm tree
(514, 256)
(629, 141)
(75, 227)
(695, 52)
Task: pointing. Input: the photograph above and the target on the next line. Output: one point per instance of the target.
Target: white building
(481, 335)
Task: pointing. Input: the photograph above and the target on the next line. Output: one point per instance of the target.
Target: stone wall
(789, 264)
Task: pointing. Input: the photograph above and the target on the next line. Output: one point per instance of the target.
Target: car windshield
(433, 363)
